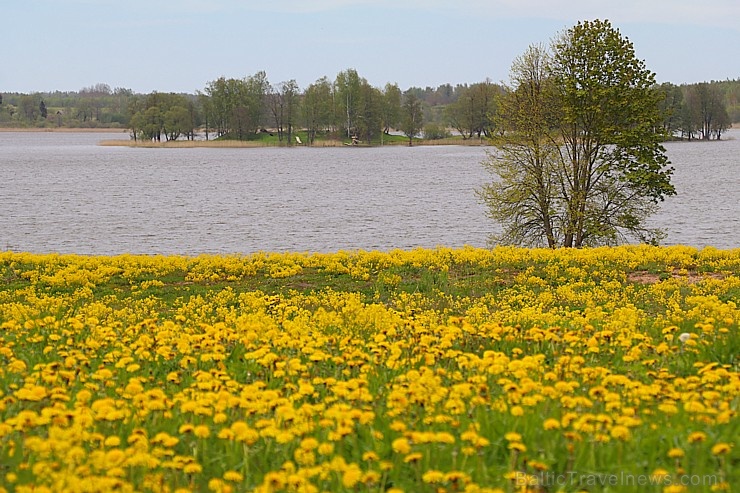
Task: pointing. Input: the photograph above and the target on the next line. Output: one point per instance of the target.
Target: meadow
(443, 370)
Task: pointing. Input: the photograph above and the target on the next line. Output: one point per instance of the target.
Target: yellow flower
(371, 478)
(233, 476)
(351, 476)
(370, 457)
(721, 448)
(513, 437)
(309, 443)
(401, 446)
(202, 431)
(620, 433)
(519, 447)
(326, 448)
(433, 477)
(551, 424)
(112, 442)
(697, 436)
(674, 488)
(660, 475)
(675, 453)
(415, 457)
(192, 468)
(723, 486)
(218, 486)
(17, 366)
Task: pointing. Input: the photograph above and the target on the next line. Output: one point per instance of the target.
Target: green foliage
(434, 131)
(473, 113)
(317, 108)
(171, 115)
(412, 118)
(237, 105)
(581, 161)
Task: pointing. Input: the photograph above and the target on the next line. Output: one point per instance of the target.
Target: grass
(505, 370)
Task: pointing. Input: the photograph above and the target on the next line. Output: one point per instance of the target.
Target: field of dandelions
(445, 370)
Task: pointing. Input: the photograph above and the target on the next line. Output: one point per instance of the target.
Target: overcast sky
(155, 45)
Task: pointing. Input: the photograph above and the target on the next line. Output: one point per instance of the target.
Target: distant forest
(343, 107)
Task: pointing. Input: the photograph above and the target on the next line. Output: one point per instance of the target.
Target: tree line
(347, 106)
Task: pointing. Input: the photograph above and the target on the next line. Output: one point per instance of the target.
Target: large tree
(391, 108)
(473, 112)
(593, 134)
(347, 92)
(283, 103)
(317, 108)
(523, 198)
(412, 116)
(236, 107)
(707, 106)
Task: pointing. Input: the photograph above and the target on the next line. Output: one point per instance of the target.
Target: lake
(61, 192)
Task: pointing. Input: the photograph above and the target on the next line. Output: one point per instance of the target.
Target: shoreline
(236, 144)
(65, 130)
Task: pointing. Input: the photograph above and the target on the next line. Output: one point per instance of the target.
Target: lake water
(61, 192)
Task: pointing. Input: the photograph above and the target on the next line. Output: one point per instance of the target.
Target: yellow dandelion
(468, 451)
(415, 457)
(326, 449)
(218, 486)
(674, 488)
(309, 443)
(433, 477)
(620, 433)
(723, 486)
(401, 446)
(660, 475)
(551, 424)
(676, 453)
(539, 466)
(351, 476)
(517, 446)
(202, 431)
(233, 476)
(370, 478)
(513, 437)
(721, 448)
(370, 457)
(112, 442)
(697, 436)
(192, 468)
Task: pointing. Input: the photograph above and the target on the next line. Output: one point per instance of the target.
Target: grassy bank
(430, 370)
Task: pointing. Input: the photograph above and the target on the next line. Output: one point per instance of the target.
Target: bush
(433, 131)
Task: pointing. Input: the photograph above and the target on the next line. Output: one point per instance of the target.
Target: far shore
(174, 144)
